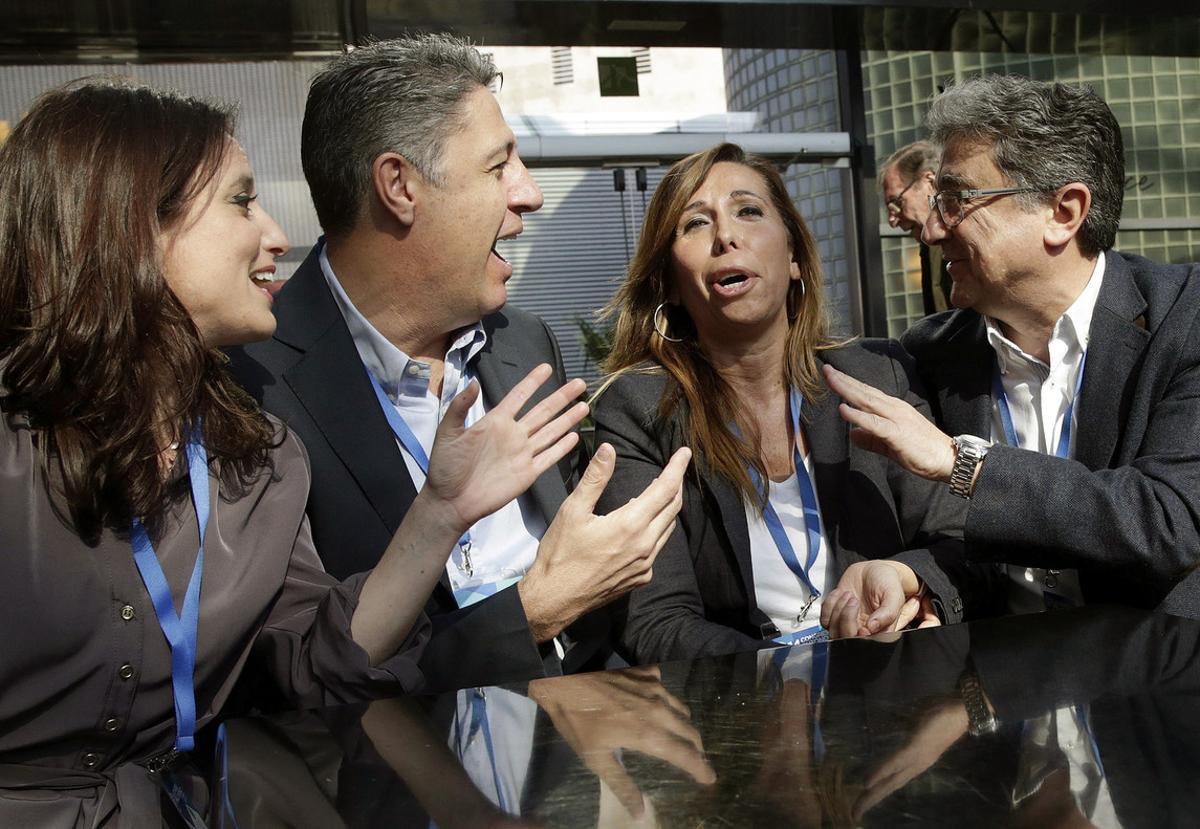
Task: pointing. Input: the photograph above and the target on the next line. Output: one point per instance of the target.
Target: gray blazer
(701, 598)
(310, 376)
(1126, 510)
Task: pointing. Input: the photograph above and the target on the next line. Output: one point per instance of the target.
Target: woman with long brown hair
(152, 521)
(720, 334)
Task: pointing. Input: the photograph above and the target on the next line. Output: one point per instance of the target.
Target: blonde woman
(720, 335)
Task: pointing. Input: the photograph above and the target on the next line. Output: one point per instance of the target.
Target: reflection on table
(1096, 713)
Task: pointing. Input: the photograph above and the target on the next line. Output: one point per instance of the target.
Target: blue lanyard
(479, 722)
(820, 670)
(1006, 421)
(180, 631)
(812, 512)
(413, 446)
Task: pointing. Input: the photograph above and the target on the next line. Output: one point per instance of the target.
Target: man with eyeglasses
(1069, 376)
(906, 180)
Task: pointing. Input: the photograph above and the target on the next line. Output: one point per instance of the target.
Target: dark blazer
(309, 375)
(1126, 510)
(701, 598)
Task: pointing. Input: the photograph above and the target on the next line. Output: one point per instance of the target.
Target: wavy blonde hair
(726, 442)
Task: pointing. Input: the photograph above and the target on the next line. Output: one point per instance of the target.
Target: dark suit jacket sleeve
(665, 618)
(934, 521)
(1140, 520)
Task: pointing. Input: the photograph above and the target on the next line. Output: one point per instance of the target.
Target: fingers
(521, 392)
(555, 402)
(843, 616)
(682, 749)
(597, 475)
(661, 524)
(664, 490)
(887, 780)
(856, 393)
(869, 423)
(550, 432)
(610, 770)
(888, 600)
(908, 612)
(927, 614)
(553, 454)
(456, 412)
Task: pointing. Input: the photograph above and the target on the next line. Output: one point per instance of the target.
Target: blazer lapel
(733, 519)
(963, 381)
(331, 384)
(499, 369)
(827, 436)
(1115, 347)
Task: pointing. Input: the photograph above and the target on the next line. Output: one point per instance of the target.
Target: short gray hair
(403, 96)
(913, 159)
(1042, 136)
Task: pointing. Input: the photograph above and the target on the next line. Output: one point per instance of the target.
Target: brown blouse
(85, 672)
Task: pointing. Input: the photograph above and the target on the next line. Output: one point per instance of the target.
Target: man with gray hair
(906, 181)
(417, 183)
(1069, 376)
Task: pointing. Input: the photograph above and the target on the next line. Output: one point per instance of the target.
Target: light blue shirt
(503, 544)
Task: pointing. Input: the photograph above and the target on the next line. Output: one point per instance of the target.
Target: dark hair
(711, 403)
(1042, 136)
(403, 96)
(94, 347)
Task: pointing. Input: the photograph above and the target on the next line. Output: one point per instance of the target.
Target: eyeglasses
(893, 204)
(951, 204)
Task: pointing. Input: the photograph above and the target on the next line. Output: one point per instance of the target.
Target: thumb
(908, 612)
(888, 605)
(456, 413)
(595, 478)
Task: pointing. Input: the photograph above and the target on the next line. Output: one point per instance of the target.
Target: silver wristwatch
(980, 719)
(969, 452)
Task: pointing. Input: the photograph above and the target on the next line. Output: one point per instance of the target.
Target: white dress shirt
(503, 544)
(492, 736)
(1039, 399)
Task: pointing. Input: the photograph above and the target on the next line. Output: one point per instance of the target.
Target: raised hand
(875, 596)
(479, 469)
(599, 713)
(941, 727)
(587, 560)
(890, 426)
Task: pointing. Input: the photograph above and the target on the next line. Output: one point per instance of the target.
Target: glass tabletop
(1084, 717)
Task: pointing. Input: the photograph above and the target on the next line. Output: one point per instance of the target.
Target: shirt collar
(1070, 333)
(397, 373)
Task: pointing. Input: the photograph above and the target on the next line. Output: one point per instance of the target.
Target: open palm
(478, 469)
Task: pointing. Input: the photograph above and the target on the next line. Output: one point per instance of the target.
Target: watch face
(973, 441)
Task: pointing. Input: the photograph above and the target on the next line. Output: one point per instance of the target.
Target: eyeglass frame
(965, 196)
(893, 205)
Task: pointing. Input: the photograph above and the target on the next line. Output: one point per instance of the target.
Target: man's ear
(396, 184)
(1068, 210)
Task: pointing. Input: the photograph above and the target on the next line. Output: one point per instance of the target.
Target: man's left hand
(889, 426)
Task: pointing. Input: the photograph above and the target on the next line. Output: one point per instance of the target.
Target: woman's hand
(477, 470)
(875, 596)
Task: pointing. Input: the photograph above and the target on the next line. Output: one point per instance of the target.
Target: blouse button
(127, 612)
(111, 724)
(125, 671)
(91, 760)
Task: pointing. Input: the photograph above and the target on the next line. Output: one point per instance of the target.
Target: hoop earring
(662, 331)
(793, 312)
